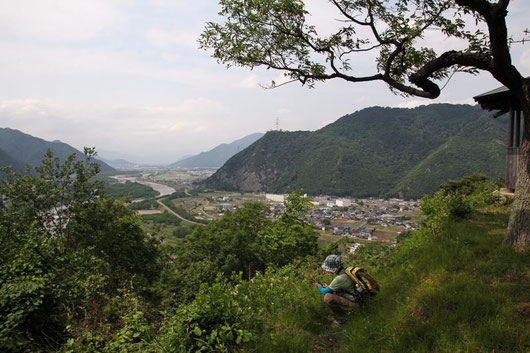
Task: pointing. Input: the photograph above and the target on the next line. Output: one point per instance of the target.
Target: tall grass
(460, 292)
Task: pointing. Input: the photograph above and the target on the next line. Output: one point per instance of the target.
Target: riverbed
(163, 190)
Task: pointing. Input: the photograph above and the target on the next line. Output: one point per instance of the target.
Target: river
(164, 190)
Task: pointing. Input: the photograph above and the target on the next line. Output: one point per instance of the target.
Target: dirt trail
(175, 213)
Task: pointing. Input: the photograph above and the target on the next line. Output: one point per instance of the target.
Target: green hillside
(6, 160)
(462, 153)
(22, 148)
(78, 273)
(374, 152)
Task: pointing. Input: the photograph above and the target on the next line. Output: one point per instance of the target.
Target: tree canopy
(276, 34)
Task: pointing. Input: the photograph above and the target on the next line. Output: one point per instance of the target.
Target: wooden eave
(500, 99)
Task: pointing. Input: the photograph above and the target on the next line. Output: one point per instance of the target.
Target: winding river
(164, 190)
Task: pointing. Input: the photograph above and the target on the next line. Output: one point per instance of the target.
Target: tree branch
(495, 16)
(421, 78)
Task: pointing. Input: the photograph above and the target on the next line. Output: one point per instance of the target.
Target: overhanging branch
(422, 77)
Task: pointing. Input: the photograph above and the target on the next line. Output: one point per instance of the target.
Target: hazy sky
(127, 76)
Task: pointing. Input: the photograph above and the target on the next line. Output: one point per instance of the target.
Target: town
(369, 219)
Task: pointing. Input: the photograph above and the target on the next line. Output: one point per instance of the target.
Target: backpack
(365, 285)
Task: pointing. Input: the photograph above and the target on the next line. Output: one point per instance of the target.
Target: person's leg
(338, 304)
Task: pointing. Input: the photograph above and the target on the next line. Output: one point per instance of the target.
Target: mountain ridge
(371, 152)
(22, 148)
(218, 155)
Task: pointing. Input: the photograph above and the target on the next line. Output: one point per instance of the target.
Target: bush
(475, 188)
(144, 205)
(440, 209)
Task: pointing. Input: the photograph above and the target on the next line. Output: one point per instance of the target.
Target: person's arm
(324, 289)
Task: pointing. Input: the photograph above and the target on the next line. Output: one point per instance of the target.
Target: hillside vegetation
(85, 277)
(374, 152)
(18, 149)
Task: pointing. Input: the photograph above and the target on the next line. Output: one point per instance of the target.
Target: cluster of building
(339, 214)
(357, 218)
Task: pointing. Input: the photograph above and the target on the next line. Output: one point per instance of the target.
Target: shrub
(476, 188)
(213, 322)
(440, 209)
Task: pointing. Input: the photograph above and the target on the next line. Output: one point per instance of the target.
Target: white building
(343, 202)
(276, 197)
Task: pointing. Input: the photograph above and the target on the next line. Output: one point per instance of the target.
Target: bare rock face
(246, 179)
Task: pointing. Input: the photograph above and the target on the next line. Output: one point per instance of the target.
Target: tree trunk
(519, 226)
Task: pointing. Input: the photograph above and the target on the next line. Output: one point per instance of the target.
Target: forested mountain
(217, 156)
(18, 149)
(373, 152)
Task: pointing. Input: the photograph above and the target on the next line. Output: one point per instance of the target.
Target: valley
(354, 220)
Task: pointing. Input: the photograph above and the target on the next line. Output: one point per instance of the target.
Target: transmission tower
(277, 123)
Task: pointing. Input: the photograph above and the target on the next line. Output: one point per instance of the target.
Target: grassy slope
(462, 292)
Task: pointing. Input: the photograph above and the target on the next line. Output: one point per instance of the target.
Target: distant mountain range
(17, 149)
(217, 156)
(373, 152)
(119, 163)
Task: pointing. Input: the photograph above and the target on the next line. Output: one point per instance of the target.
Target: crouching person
(339, 295)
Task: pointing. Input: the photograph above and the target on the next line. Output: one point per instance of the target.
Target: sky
(127, 77)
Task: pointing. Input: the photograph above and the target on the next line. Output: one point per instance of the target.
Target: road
(175, 213)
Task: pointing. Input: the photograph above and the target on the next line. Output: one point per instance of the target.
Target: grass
(461, 292)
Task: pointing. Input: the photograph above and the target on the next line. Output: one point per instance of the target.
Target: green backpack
(365, 285)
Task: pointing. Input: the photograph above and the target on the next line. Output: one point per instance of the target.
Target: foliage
(457, 199)
(263, 314)
(463, 292)
(177, 194)
(161, 218)
(276, 34)
(214, 321)
(144, 205)
(223, 246)
(92, 281)
(245, 241)
(372, 256)
(129, 189)
(69, 247)
(123, 328)
(183, 229)
(289, 237)
(476, 187)
(440, 209)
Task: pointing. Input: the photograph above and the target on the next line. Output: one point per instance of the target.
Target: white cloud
(284, 111)
(524, 62)
(416, 103)
(251, 81)
(172, 39)
(71, 61)
(58, 20)
(413, 104)
(188, 127)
